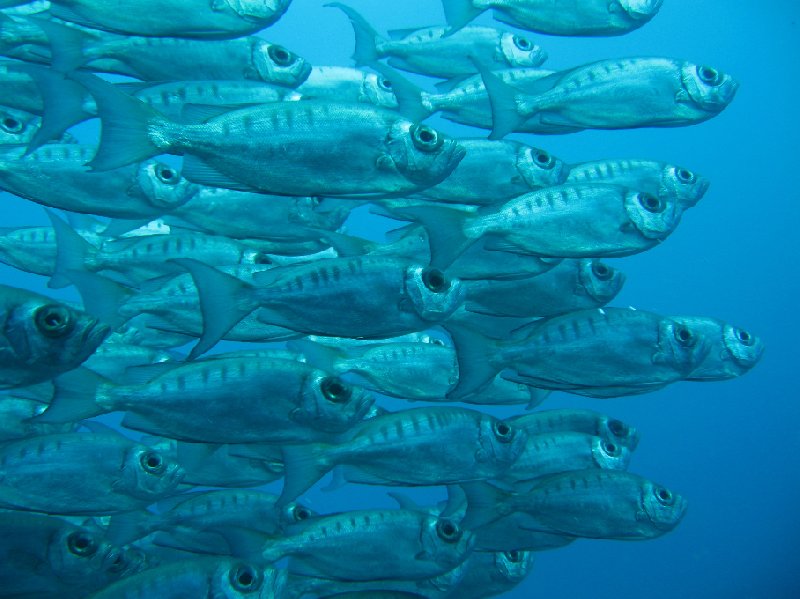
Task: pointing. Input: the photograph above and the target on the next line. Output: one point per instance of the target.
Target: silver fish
(734, 351)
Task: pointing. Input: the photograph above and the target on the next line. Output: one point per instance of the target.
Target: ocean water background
(730, 448)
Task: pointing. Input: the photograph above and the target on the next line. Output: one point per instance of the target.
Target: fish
(558, 17)
(611, 94)
(42, 338)
(571, 285)
(734, 351)
(490, 573)
(173, 18)
(83, 474)
(437, 52)
(34, 250)
(17, 408)
(578, 421)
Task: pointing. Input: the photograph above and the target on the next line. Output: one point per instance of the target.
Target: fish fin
(445, 228)
(304, 465)
(537, 397)
(224, 301)
(366, 38)
(495, 243)
(200, 113)
(137, 422)
(354, 474)
(101, 296)
(399, 34)
(483, 503)
(404, 502)
(320, 356)
(347, 245)
(408, 95)
(66, 44)
(458, 13)
(193, 455)
(194, 541)
(127, 527)
(503, 100)
(447, 86)
(243, 542)
(199, 171)
(489, 324)
(456, 500)
(126, 125)
(117, 227)
(475, 353)
(72, 252)
(65, 13)
(337, 480)
(76, 396)
(145, 373)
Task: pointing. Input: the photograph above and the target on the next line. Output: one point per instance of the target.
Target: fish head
(734, 351)
(294, 513)
(501, 442)
(682, 346)
(276, 64)
(377, 89)
(652, 216)
(609, 455)
(641, 10)
(661, 507)
(331, 404)
(444, 542)
(512, 566)
(162, 185)
(239, 579)
(599, 281)
(540, 168)
(148, 474)
(519, 51)
(51, 334)
(75, 554)
(433, 295)
(706, 87)
(615, 430)
(255, 10)
(683, 185)
(422, 154)
(17, 127)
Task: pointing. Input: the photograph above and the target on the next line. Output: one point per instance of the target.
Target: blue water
(730, 448)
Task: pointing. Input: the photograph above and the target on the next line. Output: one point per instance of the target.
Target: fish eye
(152, 462)
(300, 513)
(280, 55)
(54, 321)
(709, 75)
(335, 390)
(601, 271)
(384, 83)
(745, 337)
(651, 203)
(435, 280)
(522, 43)
(684, 336)
(503, 431)
(448, 531)
(612, 449)
(513, 556)
(664, 496)
(82, 544)
(685, 175)
(12, 125)
(543, 159)
(618, 428)
(166, 174)
(262, 258)
(438, 342)
(426, 138)
(245, 578)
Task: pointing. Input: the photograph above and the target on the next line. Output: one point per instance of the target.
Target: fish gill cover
(135, 454)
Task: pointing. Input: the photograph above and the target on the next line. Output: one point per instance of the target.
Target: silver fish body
(579, 421)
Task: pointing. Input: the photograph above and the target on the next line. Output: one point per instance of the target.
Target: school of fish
(489, 291)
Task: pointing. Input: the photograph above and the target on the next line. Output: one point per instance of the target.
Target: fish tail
(67, 45)
(304, 465)
(475, 353)
(224, 301)
(502, 98)
(367, 39)
(76, 397)
(73, 252)
(102, 297)
(127, 126)
(483, 504)
(458, 13)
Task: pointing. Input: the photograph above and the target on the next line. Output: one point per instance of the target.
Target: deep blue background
(731, 448)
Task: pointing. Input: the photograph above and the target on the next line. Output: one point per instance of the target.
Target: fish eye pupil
(385, 83)
(263, 259)
(80, 543)
(503, 431)
(685, 176)
(664, 495)
(601, 271)
(335, 391)
(543, 159)
(513, 556)
(448, 531)
(245, 578)
(280, 55)
(522, 43)
(11, 124)
(53, 321)
(708, 75)
(435, 280)
(425, 138)
(650, 203)
(610, 448)
(152, 462)
(301, 513)
(167, 174)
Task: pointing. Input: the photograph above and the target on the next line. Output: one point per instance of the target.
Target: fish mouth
(95, 333)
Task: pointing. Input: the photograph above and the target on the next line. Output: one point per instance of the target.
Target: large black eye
(53, 320)
(434, 279)
(335, 390)
(11, 125)
(513, 556)
(300, 513)
(166, 174)
(522, 43)
(651, 203)
(618, 428)
(745, 337)
(543, 159)
(281, 56)
(384, 83)
(601, 271)
(664, 496)
(152, 462)
(709, 75)
(612, 449)
(245, 578)
(448, 531)
(685, 175)
(81, 543)
(503, 431)
(426, 138)
(684, 336)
